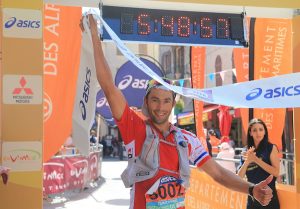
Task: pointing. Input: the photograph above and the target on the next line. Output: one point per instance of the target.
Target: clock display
(175, 27)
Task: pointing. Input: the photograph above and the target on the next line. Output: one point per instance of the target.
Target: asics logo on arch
(280, 91)
(22, 23)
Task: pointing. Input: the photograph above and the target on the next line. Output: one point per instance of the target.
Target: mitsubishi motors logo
(22, 89)
(22, 94)
(27, 91)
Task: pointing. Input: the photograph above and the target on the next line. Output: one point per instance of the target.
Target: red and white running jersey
(133, 131)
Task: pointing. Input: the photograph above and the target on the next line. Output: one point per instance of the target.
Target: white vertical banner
(86, 91)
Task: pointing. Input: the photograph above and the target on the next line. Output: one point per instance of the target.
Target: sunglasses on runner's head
(154, 83)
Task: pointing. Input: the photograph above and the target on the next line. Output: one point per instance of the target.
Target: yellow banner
(22, 109)
(32, 4)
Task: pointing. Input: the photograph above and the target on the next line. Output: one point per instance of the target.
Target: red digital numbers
(167, 25)
(206, 30)
(144, 22)
(208, 27)
(183, 26)
(222, 28)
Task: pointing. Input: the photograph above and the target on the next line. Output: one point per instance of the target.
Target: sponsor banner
(133, 82)
(241, 62)
(102, 106)
(76, 172)
(204, 192)
(63, 174)
(198, 57)
(85, 99)
(22, 156)
(93, 168)
(54, 176)
(22, 89)
(273, 56)
(276, 92)
(61, 64)
(22, 23)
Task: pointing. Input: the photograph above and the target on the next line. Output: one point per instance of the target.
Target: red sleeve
(132, 128)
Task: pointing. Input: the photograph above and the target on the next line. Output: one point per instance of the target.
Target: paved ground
(107, 193)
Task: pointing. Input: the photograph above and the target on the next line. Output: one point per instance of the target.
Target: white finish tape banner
(275, 92)
(86, 91)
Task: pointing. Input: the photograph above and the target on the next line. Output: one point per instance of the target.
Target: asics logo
(128, 81)
(22, 23)
(102, 102)
(85, 94)
(280, 91)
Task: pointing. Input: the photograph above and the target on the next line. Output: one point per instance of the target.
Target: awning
(209, 108)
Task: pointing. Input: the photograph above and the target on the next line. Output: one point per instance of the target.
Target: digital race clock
(175, 27)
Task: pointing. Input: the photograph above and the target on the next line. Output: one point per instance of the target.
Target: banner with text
(273, 57)
(61, 62)
(241, 62)
(204, 192)
(198, 57)
(86, 91)
(70, 173)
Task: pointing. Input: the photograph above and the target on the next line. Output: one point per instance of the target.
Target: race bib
(166, 193)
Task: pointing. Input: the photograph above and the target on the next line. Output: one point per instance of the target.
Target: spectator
(227, 153)
(209, 147)
(115, 145)
(214, 141)
(93, 138)
(259, 161)
(120, 147)
(103, 142)
(68, 148)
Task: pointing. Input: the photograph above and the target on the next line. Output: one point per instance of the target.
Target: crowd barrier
(70, 172)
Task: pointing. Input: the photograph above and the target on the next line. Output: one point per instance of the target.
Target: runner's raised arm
(114, 96)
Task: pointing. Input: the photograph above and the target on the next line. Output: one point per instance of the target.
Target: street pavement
(106, 193)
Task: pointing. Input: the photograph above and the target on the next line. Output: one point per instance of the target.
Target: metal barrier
(73, 151)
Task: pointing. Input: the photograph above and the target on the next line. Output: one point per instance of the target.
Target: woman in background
(259, 161)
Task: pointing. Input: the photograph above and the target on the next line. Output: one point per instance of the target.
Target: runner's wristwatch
(250, 190)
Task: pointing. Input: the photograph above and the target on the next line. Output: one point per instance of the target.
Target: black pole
(251, 57)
